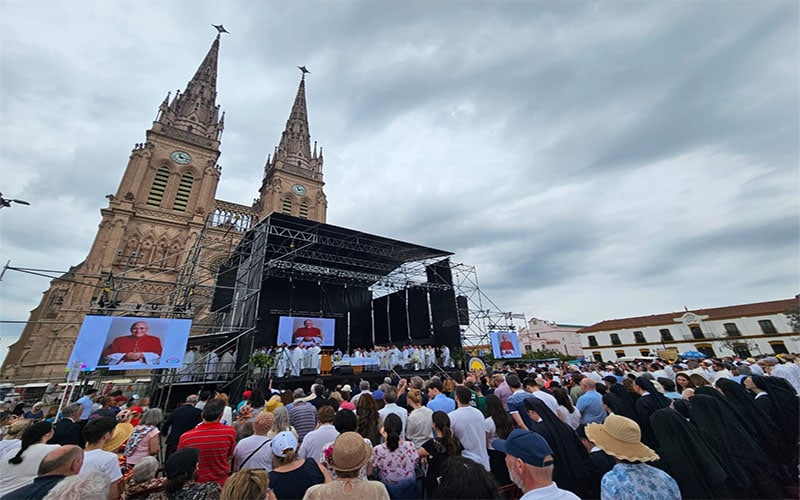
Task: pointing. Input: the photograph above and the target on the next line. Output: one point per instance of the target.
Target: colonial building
(541, 335)
(163, 231)
(741, 330)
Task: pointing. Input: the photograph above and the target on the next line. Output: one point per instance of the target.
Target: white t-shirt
(16, 476)
(101, 460)
(490, 430)
(262, 459)
(468, 426)
(548, 399)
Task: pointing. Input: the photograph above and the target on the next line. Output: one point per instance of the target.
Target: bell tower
(292, 181)
(163, 204)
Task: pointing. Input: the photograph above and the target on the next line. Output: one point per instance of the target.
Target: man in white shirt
(467, 424)
(254, 452)
(390, 398)
(97, 433)
(530, 465)
(531, 386)
(325, 433)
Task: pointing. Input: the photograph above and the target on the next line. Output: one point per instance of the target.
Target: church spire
(195, 110)
(295, 141)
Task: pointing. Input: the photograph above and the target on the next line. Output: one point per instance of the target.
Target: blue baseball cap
(528, 446)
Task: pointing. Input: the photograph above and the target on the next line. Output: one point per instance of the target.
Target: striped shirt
(303, 417)
(216, 443)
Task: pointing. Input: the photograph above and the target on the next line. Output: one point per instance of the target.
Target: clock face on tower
(181, 157)
(299, 190)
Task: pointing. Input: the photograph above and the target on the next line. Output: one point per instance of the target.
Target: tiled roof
(744, 310)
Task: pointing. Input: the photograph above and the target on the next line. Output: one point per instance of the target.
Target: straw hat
(621, 437)
(350, 452)
(122, 432)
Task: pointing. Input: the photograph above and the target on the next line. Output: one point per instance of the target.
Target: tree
(793, 315)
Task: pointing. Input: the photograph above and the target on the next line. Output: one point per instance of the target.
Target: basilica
(164, 234)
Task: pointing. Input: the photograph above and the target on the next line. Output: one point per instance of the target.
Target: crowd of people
(717, 428)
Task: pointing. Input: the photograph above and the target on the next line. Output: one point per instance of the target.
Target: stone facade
(163, 232)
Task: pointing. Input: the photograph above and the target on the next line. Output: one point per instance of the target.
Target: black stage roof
(294, 245)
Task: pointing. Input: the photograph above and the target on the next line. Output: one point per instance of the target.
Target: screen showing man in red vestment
(506, 346)
(307, 335)
(138, 347)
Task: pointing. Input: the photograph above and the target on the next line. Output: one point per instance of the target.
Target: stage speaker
(462, 308)
(344, 370)
(305, 372)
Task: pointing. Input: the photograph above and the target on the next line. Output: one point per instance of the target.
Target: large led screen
(307, 332)
(504, 344)
(130, 343)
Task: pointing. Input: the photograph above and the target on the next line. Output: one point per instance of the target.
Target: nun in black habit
(687, 457)
(570, 467)
(751, 474)
(650, 401)
(768, 433)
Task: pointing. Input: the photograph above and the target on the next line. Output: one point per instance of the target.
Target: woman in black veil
(687, 457)
(751, 474)
(570, 467)
(650, 401)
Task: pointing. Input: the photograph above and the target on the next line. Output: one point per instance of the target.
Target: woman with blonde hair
(281, 423)
(248, 483)
(418, 424)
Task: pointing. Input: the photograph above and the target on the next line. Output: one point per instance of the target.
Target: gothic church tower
(149, 231)
(163, 233)
(293, 173)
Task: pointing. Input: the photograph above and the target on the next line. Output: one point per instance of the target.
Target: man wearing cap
(631, 478)
(530, 466)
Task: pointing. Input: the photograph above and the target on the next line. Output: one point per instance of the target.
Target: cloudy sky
(593, 160)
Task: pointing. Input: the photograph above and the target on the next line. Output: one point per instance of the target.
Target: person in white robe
(226, 364)
(297, 355)
(211, 365)
(446, 360)
(314, 357)
(188, 362)
(282, 359)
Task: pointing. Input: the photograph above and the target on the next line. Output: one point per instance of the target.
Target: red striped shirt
(216, 443)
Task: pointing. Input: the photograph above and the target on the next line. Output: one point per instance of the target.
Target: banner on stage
(130, 343)
(504, 344)
(306, 332)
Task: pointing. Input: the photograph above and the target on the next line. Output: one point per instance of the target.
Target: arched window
(286, 206)
(159, 185)
(184, 190)
(303, 210)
